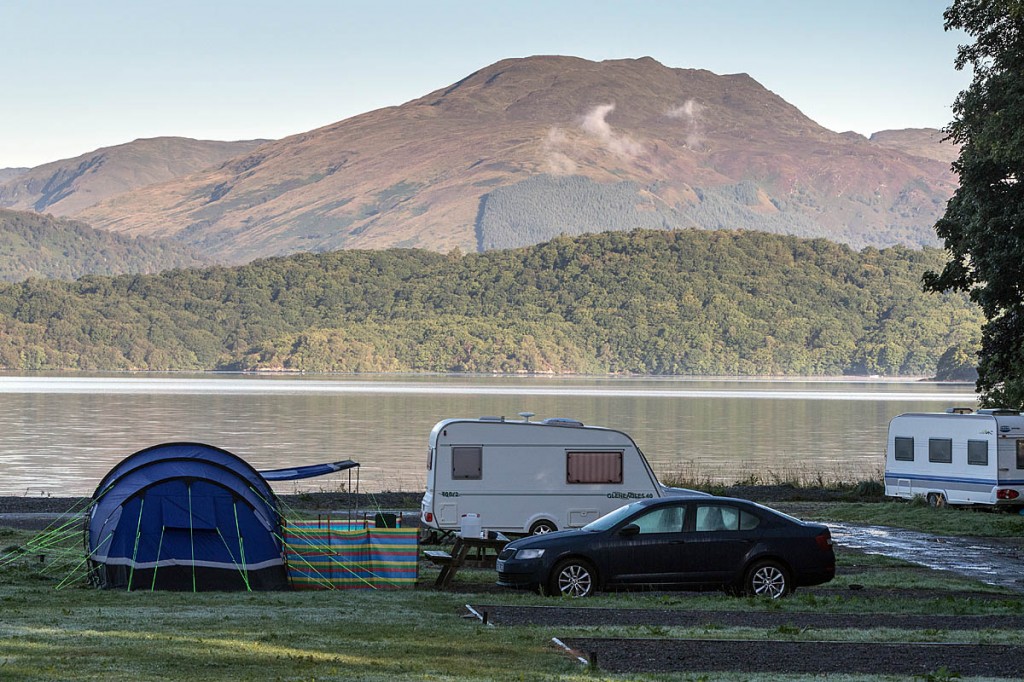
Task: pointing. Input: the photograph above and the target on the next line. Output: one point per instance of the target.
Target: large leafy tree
(983, 226)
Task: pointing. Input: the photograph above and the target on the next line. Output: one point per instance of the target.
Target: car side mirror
(630, 530)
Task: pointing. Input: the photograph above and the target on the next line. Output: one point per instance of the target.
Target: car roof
(694, 498)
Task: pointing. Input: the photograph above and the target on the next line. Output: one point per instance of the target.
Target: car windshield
(611, 518)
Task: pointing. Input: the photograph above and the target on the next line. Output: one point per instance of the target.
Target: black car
(675, 543)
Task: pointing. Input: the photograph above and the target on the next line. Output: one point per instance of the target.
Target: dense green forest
(543, 207)
(33, 245)
(658, 302)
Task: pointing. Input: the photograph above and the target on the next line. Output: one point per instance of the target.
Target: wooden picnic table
(475, 551)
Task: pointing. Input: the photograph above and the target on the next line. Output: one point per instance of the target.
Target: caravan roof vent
(999, 412)
(562, 421)
(959, 410)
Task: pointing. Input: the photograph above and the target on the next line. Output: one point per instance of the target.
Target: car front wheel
(573, 578)
(768, 579)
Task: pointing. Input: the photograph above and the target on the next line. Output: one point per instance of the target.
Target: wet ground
(989, 561)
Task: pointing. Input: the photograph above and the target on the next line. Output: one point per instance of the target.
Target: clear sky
(83, 74)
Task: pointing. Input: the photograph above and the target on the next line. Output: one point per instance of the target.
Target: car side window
(662, 520)
(720, 517)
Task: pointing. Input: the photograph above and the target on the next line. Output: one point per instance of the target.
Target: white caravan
(957, 457)
(531, 477)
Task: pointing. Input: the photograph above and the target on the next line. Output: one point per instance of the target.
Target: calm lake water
(60, 435)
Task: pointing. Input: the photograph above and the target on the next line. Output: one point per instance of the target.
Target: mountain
(928, 143)
(527, 149)
(33, 245)
(7, 174)
(65, 187)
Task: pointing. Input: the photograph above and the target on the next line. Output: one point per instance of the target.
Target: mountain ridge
(68, 186)
(697, 150)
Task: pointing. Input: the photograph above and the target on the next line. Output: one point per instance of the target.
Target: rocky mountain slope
(7, 174)
(925, 142)
(66, 187)
(527, 149)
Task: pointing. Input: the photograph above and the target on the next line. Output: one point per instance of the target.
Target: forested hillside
(660, 302)
(33, 245)
(543, 207)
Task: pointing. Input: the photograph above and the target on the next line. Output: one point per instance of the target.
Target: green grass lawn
(78, 633)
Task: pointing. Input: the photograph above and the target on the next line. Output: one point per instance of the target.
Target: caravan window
(977, 452)
(940, 450)
(904, 450)
(467, 463)
(593, 467)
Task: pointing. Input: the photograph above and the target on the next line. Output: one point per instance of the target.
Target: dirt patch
(817, 658)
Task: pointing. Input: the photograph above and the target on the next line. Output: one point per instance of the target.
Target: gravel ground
(817, 658)
(584, 616)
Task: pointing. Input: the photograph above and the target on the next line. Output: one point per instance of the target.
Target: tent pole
(156, 567)
(241, 547)
(138, 535)
(191, 538)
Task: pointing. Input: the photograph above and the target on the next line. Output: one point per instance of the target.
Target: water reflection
(62, 434)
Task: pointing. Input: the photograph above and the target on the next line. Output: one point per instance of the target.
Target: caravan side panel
(516, 474)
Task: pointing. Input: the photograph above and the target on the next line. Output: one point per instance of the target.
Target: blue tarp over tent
(185, 516)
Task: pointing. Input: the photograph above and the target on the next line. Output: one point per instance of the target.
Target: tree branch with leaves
(983, 227)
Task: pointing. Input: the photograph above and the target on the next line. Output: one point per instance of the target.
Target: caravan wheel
(936, 500)
(543, 527)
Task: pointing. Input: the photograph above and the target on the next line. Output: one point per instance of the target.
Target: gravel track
(817, 658)
(586, 616)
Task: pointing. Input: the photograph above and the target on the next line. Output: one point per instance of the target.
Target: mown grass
(82, 634)
(77, 633)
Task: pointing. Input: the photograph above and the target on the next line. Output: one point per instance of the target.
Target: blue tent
(185, 516)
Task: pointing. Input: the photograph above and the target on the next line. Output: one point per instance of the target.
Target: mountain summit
(527, 149)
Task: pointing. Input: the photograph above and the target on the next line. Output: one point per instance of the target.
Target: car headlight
(529, 554)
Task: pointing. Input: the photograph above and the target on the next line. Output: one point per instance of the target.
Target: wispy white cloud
(595, 123)
(690, 112)
(556, 161)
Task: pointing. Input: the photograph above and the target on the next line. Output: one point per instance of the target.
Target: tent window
(904, 449)
(593, 467)
(977, 452)
(467, 463)
(940, 450)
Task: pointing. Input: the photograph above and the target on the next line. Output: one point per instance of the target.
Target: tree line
(650, 302)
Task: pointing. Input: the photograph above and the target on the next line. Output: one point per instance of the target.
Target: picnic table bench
(450, 563)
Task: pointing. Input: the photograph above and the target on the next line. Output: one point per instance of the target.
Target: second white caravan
(531, 477)
(957, 457)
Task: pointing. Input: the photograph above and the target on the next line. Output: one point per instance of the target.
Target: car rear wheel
(768, 579)
(543, 527)
(936, 500)
(573, 578)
